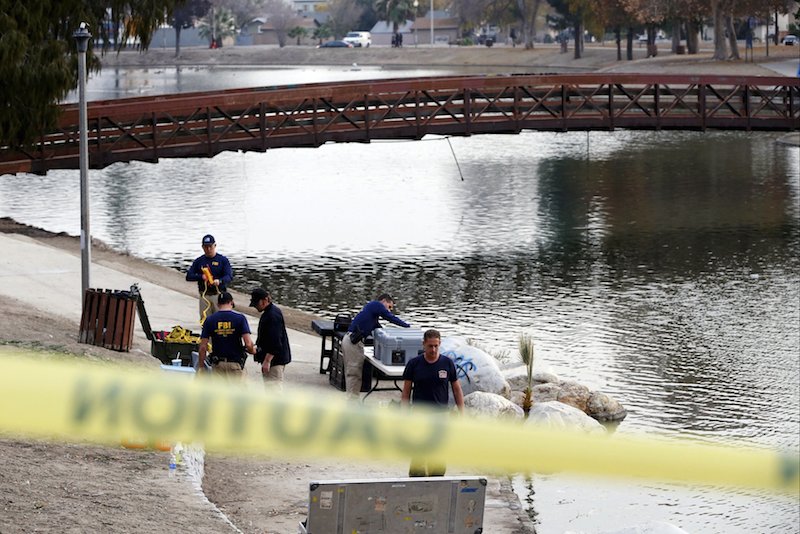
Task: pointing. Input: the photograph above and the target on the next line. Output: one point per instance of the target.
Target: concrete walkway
(49, 278)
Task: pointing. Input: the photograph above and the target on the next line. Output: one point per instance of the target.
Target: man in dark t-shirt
(427, 380)
(226, 330)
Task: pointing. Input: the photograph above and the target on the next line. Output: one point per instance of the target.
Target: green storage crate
(166, 351)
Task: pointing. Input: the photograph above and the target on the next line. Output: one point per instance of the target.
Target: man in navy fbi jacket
(353, 343)
(220, 270)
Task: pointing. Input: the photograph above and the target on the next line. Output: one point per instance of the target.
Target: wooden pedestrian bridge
(257, 119)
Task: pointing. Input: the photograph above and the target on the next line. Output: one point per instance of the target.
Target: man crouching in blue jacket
(353, 343)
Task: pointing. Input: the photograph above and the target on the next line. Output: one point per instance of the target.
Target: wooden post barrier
(107, 319)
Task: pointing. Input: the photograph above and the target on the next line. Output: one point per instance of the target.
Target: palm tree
(217, 25)
(322, 32)
(395, 11)
(297, 32)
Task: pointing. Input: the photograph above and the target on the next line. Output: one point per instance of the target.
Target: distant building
(307, 7)
(382, 33)
(266, 34)
(445, 30)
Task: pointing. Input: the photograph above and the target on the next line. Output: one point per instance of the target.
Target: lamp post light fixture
(82, 37)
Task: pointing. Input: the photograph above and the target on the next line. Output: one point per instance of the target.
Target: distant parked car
(335, 44)
(358, 39)
(790, 40)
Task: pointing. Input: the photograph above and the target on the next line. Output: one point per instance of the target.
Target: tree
(343, 16)
(322, 32)
(526, 12)
(720, 12)
(574, 13)
(613, 14)
(396, 12)
(243, 10)
(217, 25)
(471, 13)
(185, 16)
(38, 56)
(298, 32)
(368, 16)
(282, 17)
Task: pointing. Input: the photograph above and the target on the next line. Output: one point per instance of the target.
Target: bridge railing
(205, 124)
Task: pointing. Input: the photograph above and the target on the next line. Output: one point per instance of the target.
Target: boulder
(543, 377)
(477, 370)
(574, 394)
(558, 416)
(604, 408)
(492, 405)
(546, 392)
(517, 377)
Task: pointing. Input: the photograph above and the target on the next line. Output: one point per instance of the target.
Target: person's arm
(261, 340)
(227, 273)
(248, 343)
(392, 318)
(202, 351)
(408, 382)
(405, 398)
(458, 395)
(194, 274)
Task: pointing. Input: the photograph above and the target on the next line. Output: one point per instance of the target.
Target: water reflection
(661, 268)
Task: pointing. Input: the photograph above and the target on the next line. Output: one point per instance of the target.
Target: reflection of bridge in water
(205, 124)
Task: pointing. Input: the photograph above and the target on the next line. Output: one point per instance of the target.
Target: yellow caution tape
(179, 334)
(101, 403)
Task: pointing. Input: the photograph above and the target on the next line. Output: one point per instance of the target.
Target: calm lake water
(662, 268)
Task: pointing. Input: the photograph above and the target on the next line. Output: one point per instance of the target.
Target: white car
(358, 39)
(790, 40)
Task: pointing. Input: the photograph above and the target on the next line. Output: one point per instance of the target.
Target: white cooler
(396, 346)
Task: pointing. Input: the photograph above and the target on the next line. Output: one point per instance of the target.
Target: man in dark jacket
(272, 344)
(353, 343)
(213, 273)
